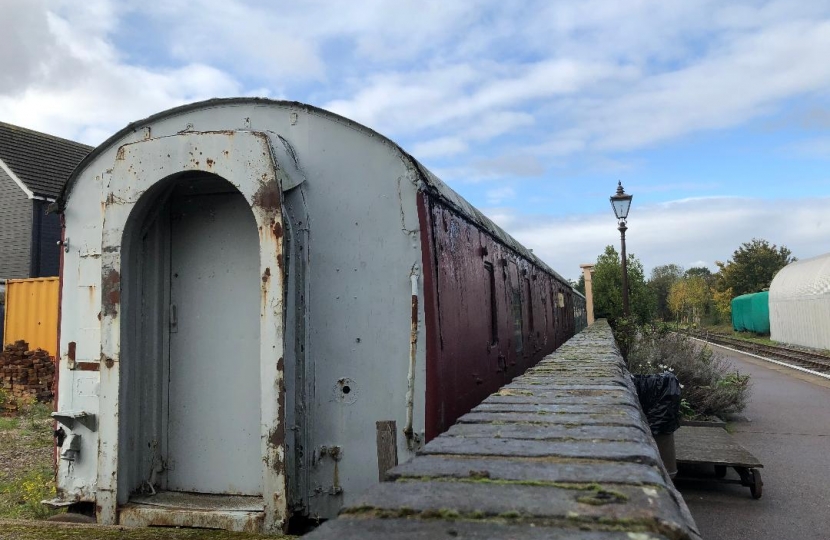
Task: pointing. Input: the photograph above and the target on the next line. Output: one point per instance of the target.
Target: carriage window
(494, 311)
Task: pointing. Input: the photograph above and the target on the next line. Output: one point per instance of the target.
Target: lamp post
(621, 202)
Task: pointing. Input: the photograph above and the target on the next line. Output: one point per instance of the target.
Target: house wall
(15, 229)
(45, 250)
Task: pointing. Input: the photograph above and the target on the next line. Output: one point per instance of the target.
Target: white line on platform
(799, 368)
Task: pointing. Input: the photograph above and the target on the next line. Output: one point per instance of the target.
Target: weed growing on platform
(709, 386)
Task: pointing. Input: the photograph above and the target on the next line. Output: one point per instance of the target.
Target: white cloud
(818, 147)
(586, 75)
(699, 229)
(497, 196)
(443, 146)
(82, 89)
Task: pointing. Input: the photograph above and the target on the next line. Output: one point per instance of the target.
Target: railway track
(806, 360)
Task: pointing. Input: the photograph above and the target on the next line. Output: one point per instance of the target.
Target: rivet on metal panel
(107, 360)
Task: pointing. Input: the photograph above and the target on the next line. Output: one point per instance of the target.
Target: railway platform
(561, 452)
(787, 427)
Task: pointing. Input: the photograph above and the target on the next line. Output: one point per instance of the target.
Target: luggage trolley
(715, 446)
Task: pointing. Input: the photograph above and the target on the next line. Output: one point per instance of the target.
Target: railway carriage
(264, 304)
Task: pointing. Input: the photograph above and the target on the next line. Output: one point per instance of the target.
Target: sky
(715, 116)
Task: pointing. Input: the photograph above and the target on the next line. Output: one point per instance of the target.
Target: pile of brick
(27, 373)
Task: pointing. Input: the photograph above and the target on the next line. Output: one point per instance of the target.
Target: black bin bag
(660, 399)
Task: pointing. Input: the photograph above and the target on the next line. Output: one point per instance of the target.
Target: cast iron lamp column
(621, 203)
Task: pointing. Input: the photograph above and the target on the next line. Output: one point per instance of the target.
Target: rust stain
(268, 196)
(276, 228)
(88, 366)
(276, 438)
(99, 315)
(71, 352)
(266, 275)
(209, 162)
(119, 156)
(111, 292)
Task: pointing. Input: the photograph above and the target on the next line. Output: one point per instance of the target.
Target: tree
(700, 271)
(752, 267)
(660, 283)
(607, 287)
(722, 302)
(689, 298)
(579, 284)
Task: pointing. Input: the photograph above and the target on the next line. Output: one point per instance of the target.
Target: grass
(26, 472)
(27, 477)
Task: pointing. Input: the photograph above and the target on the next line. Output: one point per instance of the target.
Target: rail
(788, 356)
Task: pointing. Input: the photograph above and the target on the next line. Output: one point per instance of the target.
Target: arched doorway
(190, 344)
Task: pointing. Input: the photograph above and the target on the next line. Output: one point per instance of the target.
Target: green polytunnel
(750, 313)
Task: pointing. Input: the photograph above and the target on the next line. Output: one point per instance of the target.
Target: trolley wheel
(757, 485)
(720, 471)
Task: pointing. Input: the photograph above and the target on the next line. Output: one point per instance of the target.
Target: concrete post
(587, 272)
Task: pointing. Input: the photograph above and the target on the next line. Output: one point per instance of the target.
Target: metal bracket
(69, 418)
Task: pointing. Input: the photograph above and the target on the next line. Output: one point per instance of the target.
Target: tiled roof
(42, 162)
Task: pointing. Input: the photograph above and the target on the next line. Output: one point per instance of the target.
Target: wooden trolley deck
(715, 446)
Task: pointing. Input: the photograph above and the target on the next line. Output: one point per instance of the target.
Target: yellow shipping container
(32, 312)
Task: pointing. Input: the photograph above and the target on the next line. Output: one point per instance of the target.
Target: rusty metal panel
(491, 323)
(32, 312)
(332, 390)
(343, 245)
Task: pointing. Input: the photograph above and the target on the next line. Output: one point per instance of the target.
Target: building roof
(802, 280)
(430, 182)
(41, 162)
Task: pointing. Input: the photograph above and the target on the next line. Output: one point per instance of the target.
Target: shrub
(709, 386)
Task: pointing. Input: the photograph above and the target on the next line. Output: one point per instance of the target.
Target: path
(787, 426)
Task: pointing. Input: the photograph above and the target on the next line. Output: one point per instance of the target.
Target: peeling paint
(268, 196)
(276, 228)
(110, 292)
